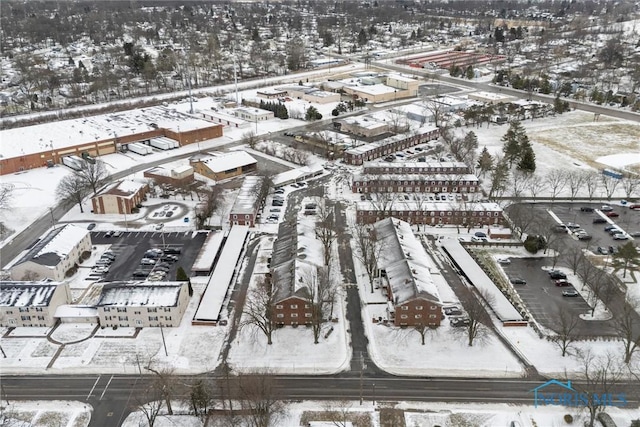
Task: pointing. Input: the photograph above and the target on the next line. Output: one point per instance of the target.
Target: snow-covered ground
(190, 349)
(45, 413)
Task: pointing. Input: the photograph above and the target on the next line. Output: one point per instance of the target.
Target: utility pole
(235, 77)
(164, 343)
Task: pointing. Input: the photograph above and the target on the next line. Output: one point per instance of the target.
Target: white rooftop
(220, 162)
(26, 294)
(66, 133)
(247, 199)
(152, 294)
(64, 242)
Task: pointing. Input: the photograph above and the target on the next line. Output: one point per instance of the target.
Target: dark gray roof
(26, 294)
(51, 258)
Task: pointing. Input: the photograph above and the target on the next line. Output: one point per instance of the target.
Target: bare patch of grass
(358, 419)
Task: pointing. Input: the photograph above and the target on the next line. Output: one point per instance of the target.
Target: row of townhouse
(408, 276)
(293, 274)
(367, 152)
(415, 183)
(248, 201)
(454, 168)
(431, 213)
(123, 304)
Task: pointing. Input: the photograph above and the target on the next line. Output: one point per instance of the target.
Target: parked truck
(73, 162)
(162, 143)
(139, 148)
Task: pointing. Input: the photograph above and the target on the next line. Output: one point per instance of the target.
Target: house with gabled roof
(407, 270)
(31, 303)
(120, 198)
(295, 264)
(54, 255)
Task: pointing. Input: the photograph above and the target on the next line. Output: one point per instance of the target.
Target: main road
(114, 396)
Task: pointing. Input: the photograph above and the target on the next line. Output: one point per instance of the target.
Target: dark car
(585, 237)
(169, 258)
(562, 282)
(277, 203)
(459, 321)
(108, 234)
(613, 250)
(172, 251)
(556, 275)
(91, 226)
(612, 214)
(602, 251)
(599, 220)
(452, 311)
(169, 214)
(517, 281)
(586, 209)
(478, 233)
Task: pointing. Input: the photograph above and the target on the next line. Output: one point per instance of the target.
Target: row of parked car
(102, 266)
(156, 263)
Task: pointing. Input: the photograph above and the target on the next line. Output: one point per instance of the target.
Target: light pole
(53, 220)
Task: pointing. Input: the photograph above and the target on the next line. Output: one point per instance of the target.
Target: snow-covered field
(45, 413)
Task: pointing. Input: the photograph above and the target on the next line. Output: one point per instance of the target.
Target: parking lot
(628, 220)
(129, 249)
(544, 299)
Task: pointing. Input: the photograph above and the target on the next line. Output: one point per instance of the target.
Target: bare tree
(338, 412)
(536, 185)
(600, 375)
(556, 180)
(522, 216)
(250, 138)
(592, 183)
(519, 182)
(209, 204)
(326, 228)
(628, 329)
(258, 396)
(574, 258)
(93, 174)
(575, 181)
(259, 308)
(6, 194)
(150, 403)
(477, 327)
(318, 297)
(200, 397)
(609, 185)
(72, 188)
(165, 383)
(368, 249)
(383, 202)
(566, 329)
(630, 186)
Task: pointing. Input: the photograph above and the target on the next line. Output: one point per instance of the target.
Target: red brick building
(120, 198)
(432, 168)
(248, 202)
(415, 183)
(431, 213)
(407, 273)
(364, 153)
(177, 176)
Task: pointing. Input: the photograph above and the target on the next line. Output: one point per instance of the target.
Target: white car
(620, 236)
(504, 260)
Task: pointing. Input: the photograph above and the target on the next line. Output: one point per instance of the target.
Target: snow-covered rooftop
(150, 294)
(220, 162)
(418, 166)
(26, 294)
(405, 261)
(208, 252)
(78, 311)
(499, 303)
(67, 133)
(298, 174)
(125, 188)
(247, 199)
(220, 280)
(55, 246)
(415, 177)
(391, 140)
(410, 205)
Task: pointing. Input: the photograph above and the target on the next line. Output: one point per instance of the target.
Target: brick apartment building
(120, 198)
(248, 201)
(453, 168)
(413, 298)
(414, 183)
(431, 213)
(363, 153)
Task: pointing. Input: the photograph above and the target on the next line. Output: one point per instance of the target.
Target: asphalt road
(113, 397)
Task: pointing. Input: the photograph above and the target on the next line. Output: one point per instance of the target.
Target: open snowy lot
(45, 413)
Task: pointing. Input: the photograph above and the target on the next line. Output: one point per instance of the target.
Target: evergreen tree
(470, 74)
(499, 178)
(312, 114)
(528, 161)
(362, 37)
(485, 161)
(514, 140)
(181, 275)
